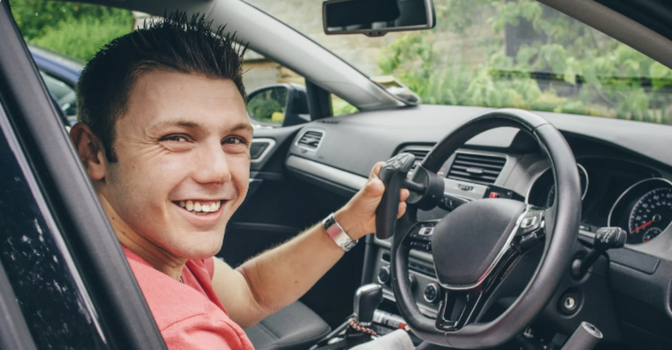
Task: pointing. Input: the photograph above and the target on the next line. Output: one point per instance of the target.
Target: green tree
(73, 29)
(597, 75)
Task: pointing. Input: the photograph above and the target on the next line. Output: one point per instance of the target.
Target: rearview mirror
(376, 17)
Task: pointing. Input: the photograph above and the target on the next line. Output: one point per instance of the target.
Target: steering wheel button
(426, 231)
(528, 222)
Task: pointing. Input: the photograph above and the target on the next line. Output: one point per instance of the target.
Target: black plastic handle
(392, 174)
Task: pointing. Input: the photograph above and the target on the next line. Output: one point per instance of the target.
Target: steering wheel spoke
(419, 236)
(459, 308)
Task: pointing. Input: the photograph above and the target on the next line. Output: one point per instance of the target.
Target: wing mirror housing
(376, 17)
(279, 105)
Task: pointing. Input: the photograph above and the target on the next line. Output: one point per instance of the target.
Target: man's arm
(276, 278)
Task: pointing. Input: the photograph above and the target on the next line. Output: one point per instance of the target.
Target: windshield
(514, 53)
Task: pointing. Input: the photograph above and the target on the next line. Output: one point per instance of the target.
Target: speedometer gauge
(644, 210)
(650, 215)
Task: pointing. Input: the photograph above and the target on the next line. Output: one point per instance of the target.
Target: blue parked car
(60, 74)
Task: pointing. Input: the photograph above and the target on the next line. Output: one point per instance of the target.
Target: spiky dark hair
(175, 43)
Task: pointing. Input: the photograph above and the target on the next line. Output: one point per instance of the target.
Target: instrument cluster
(643, 207)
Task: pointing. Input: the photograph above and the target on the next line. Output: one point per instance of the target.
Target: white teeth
(198, 207)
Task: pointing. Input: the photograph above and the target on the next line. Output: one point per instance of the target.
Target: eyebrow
(243, 126)
(179, 122)
(193, 125)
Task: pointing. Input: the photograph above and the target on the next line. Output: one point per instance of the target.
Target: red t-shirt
(189, 315)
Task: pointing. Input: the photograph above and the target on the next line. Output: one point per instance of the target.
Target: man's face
(183, 162)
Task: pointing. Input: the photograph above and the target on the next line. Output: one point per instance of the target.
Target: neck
(155, 255)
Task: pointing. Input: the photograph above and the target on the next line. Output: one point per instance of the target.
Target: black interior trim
(319, 101)
(655, 15)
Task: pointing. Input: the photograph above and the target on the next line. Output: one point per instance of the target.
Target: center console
(422, 277)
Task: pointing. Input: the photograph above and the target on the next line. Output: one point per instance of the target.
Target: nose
(212, 165)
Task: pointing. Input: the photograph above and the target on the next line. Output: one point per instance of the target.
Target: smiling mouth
(200, 207)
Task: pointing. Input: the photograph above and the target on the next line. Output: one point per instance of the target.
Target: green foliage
(563, 66)
(341, 107)
(263, 105)
(73, 29)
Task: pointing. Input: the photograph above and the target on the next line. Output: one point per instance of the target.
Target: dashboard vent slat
(477, 168)
(418, 153)
(310, 139)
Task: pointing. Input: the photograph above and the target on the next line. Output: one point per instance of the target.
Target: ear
(90, 150)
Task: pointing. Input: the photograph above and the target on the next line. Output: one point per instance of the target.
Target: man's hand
(358, 216)
(275, 279)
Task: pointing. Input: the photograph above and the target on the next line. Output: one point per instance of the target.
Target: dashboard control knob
(384, 275)
(431, 292)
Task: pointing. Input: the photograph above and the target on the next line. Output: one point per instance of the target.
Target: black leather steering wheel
(478, 244)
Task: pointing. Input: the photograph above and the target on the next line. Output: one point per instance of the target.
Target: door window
(54, 302)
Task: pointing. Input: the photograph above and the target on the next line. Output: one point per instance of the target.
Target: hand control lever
(367, 299)
(605, 239)
(393, 174)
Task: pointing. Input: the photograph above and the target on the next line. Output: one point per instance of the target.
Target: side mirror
(279, 105)
(376, 17)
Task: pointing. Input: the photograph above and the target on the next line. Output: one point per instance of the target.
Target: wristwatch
(337, 233)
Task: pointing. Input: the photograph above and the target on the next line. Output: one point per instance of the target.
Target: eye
(175, 138)
(234, 140)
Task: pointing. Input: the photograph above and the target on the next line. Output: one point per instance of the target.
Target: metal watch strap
(337, 233)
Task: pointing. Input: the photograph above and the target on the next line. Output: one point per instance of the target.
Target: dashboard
(626, 178)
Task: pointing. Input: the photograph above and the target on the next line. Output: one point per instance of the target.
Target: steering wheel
(477, 245)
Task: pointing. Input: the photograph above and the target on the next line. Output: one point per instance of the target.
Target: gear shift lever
(367, 299)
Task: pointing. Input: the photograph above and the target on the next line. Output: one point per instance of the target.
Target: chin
(199, 246)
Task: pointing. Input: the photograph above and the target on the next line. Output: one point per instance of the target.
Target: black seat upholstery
(295, 327)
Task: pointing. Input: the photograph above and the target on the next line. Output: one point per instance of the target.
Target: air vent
(476, 168)
(310, 139)
(419, 153)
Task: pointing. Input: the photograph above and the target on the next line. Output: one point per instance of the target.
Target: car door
(72, 284)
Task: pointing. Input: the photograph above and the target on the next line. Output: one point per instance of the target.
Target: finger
(403, 194)
(374, 188)
(376, 170)
(402, 209)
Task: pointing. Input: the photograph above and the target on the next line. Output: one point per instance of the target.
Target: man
(164, 136)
